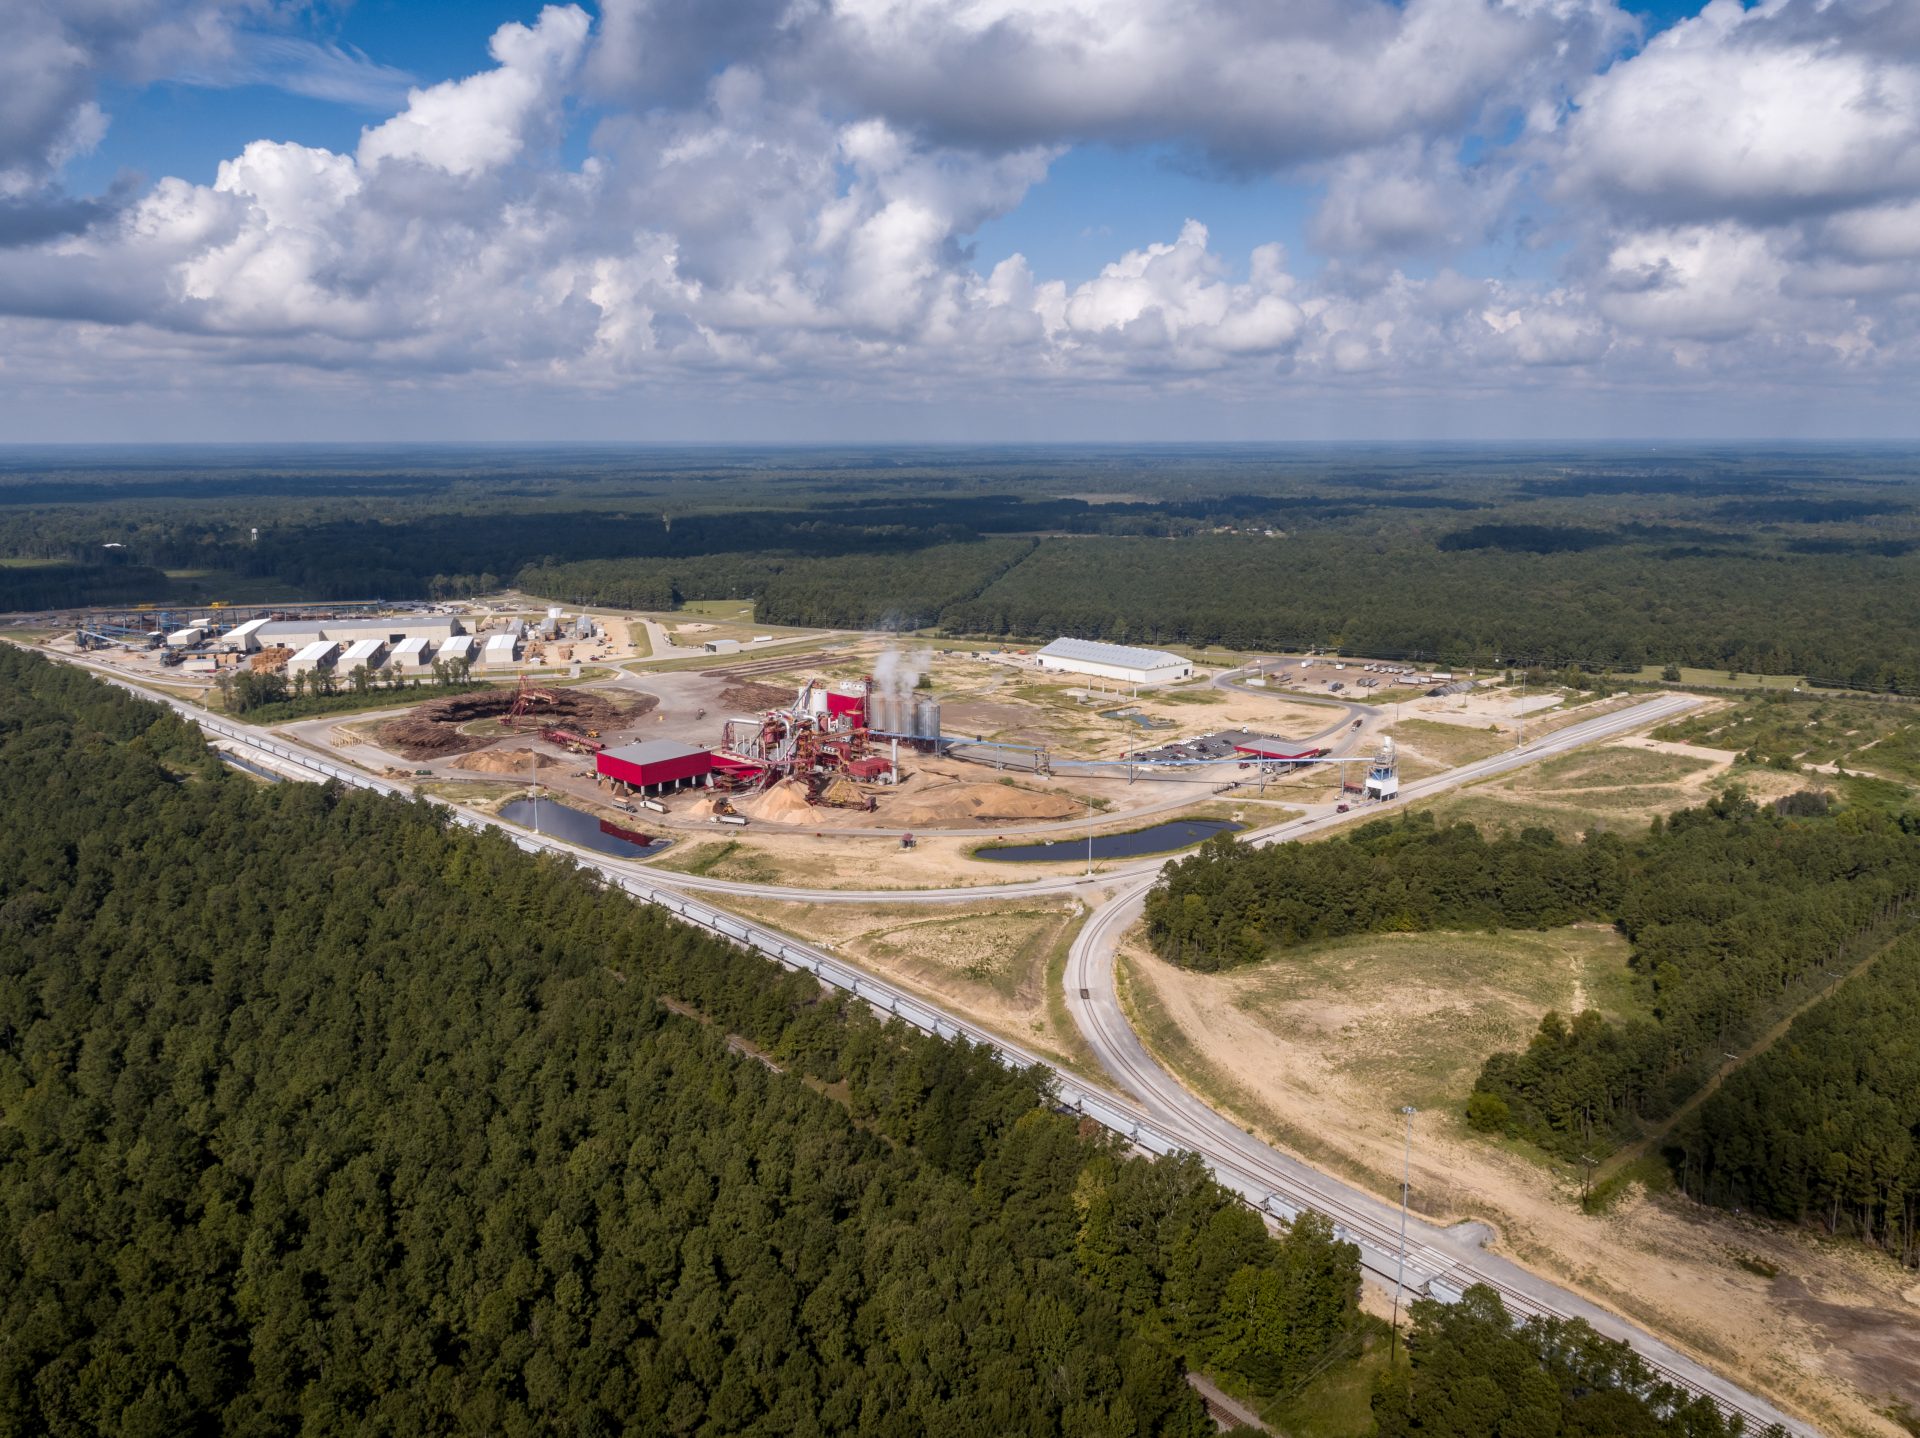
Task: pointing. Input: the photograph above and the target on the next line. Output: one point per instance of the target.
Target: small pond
(547, 816)
(1160, 839)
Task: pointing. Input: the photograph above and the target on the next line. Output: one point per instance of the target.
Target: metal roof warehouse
(1114, 661)
(653, 763)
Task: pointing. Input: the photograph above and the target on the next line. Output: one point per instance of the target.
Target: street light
(1089, 798)
(1400, 1273)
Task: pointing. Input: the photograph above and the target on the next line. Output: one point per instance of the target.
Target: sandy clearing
(990, 962)
(1324, 1071)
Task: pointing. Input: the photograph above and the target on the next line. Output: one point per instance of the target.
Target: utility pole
(1400, 1273)
(1089, 798)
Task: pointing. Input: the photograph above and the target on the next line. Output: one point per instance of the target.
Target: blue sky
(658, 218)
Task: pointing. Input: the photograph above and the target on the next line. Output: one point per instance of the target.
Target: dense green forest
(1605, 556)
(1735, 913)
(1476, 1375)
(1825, 1125)
(320, 1114)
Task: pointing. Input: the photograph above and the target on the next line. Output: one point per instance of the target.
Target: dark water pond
(1160, 839)
(547, 816)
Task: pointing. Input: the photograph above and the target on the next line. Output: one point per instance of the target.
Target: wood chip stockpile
(506, 761)
(959, 802)
(433, 730)
(784, 802)
(749, 698)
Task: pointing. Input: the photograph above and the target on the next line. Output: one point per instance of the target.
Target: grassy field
(739, 611)
(1446, 746)
(1716, 678)
(1410, 1016)
(721, 859)
(997, 962)
(1324, 1042)
(759, 651)
(642, 642)
(1879, 736)
(1610, 768)
(1616, 787)
(1339, 1403)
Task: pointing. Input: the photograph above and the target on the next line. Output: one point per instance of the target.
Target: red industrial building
(654, 764)
(1275, 749)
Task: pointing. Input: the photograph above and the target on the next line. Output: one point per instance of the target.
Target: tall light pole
(1400, 1273)
(1089, 799)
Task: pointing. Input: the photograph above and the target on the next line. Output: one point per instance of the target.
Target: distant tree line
(1446, 561)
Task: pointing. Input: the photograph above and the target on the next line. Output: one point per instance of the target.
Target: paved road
(1154, 1111)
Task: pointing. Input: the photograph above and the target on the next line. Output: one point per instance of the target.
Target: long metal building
(1114, 661)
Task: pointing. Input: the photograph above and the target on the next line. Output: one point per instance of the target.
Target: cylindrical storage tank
(926, 719)
(884, 710)
(849, 699)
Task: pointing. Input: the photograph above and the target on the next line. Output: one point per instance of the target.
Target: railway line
(1150, 1108)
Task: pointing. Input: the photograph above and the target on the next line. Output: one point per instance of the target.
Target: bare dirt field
(990, 961)
(1074, 716)
(1319, 1048)
(1619, 786)
(505, 761)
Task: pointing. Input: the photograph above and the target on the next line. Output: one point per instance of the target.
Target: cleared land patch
(1318, 1048)
(1620, 786)
(995, 962)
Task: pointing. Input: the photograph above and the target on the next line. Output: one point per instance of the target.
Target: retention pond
(1160, 839)
(547, 816)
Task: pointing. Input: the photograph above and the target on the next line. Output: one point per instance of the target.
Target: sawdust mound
(433, 730)
(751, 698)
(960, 802)
(505, 761)
(784, 802)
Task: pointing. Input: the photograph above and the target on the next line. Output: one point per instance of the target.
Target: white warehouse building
(318, 655)
(366, 654)
(1120, 662)
(502, 651)
(411, 656)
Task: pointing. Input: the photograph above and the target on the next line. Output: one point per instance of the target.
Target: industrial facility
(654, 765)
(1120, 662)
(297, 633)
